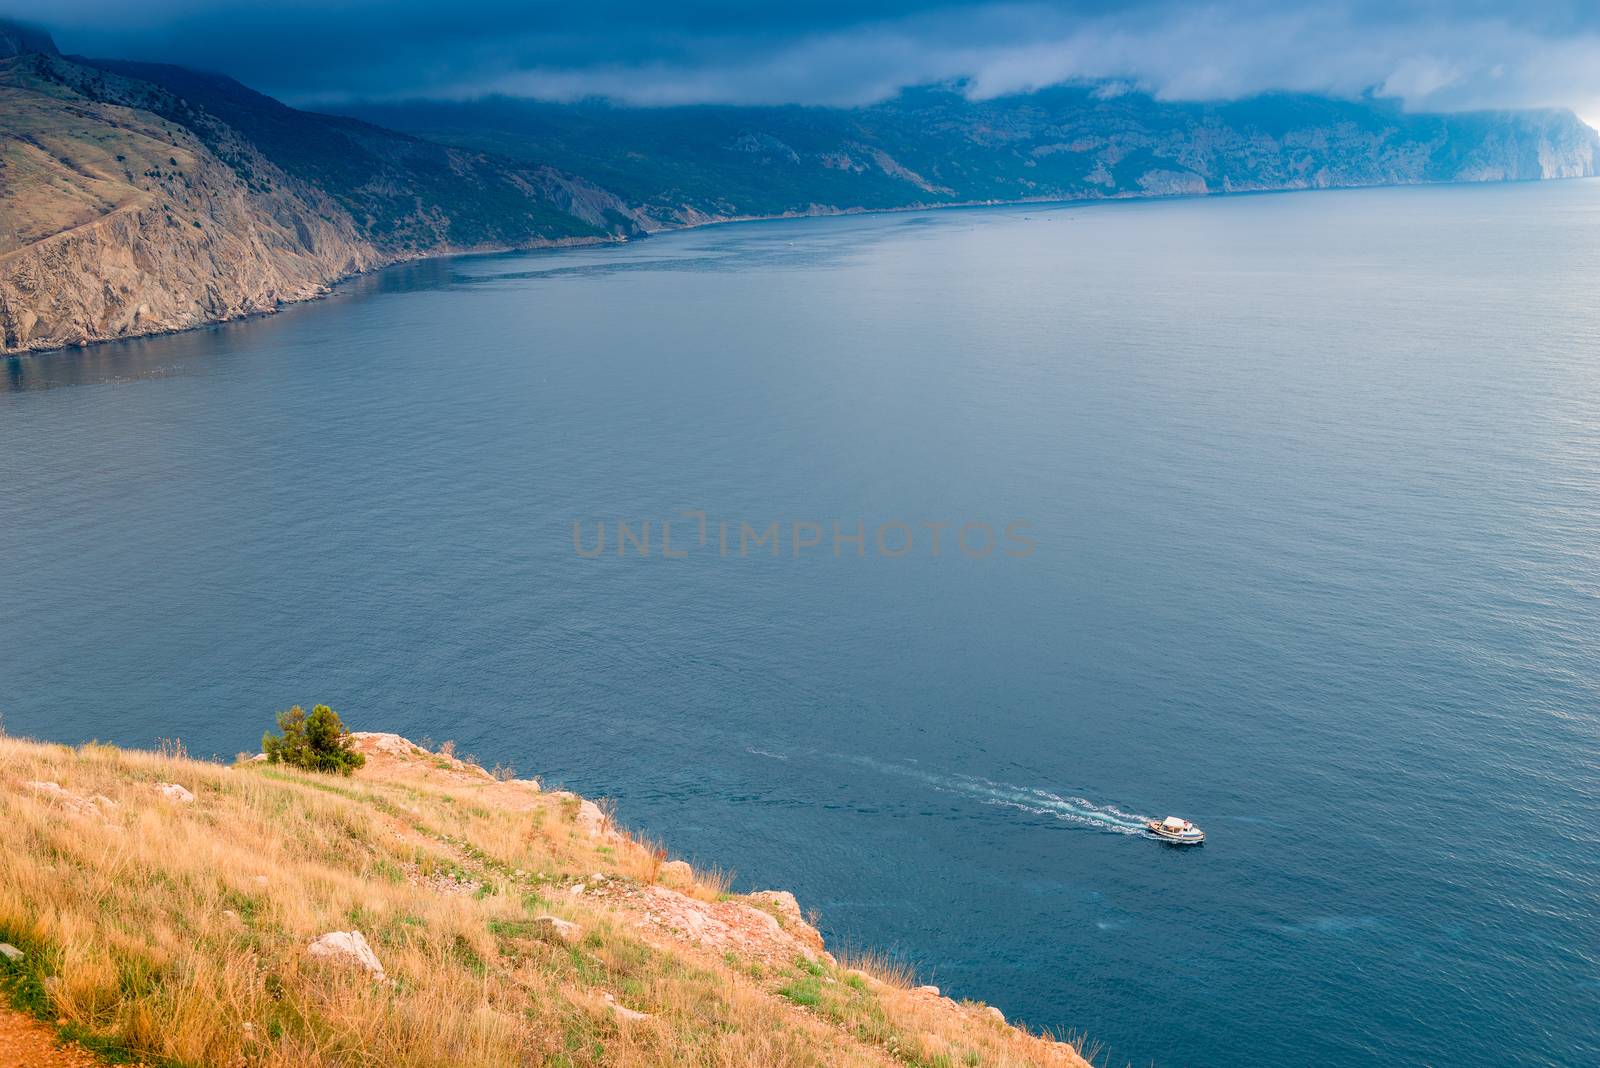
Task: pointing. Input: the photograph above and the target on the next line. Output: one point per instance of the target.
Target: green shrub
(318, 742)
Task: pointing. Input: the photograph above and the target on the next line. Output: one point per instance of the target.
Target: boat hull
(1188, 835)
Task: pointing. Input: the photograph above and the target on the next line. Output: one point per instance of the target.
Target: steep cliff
(128, 208)
(933, 146)
(116, 222)
(139, 198)
(408, 196)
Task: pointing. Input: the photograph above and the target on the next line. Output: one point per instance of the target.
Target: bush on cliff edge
(318, 742)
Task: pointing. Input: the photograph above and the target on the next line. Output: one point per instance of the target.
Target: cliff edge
(423, 912)
(140, 199)
(115, 222)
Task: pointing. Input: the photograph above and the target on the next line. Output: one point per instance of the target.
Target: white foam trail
(1080, 810)
(1044, 803)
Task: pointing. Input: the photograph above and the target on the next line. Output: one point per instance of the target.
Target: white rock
(49, 789)
(990, 1010)
(787, 907)
(347, 947)
(677, 872)
(173, 792)
(929, 989)
(556, 927)
(383, 742)
(590, 819)
(65, 798)
(10, 952)
(623, 1012)
(774, 928)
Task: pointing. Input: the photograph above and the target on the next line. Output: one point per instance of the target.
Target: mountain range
(141, 198)
(932, 146)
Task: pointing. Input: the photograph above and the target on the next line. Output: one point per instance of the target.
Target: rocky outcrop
(621, 1011)
(677, 873)
(787, 911)
(128, 208)
(139, 271)
(554, 928)
(592, 820)
(77, 805)
(731, 926)
(173, 237)
(348, 948)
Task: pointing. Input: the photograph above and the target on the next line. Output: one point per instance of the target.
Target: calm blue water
(1315, 485)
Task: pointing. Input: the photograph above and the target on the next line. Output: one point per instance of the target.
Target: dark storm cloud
(1427, 53)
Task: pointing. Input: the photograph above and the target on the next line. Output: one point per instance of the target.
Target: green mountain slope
(934, 146)
(405, 193)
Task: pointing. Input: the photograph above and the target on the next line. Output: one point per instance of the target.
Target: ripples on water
(1314, 483)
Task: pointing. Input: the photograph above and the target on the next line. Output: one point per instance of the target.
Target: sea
(910, 562)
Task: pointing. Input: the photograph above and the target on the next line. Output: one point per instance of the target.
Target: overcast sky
(1429, 53)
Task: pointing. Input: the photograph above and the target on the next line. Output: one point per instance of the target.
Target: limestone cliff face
(127, 208)
(142, 229)
(142, 271)
(1530, 146)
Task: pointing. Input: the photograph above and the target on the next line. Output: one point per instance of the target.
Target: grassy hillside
(513, 926)
(63, 166)
(406, 194)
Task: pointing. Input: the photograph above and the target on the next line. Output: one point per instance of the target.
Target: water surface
(1315, 485)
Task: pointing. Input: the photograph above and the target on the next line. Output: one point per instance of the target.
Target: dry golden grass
(176, 933)
(68, 166)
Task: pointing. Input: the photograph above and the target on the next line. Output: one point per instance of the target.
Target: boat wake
(1031, 799)
(1079, 810)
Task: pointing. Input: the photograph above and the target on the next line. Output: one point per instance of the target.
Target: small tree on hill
(318, 742)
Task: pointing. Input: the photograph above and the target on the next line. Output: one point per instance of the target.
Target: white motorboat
(1175, 830)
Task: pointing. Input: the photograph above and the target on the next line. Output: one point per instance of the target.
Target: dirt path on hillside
(27, 1043)
(99, 220)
